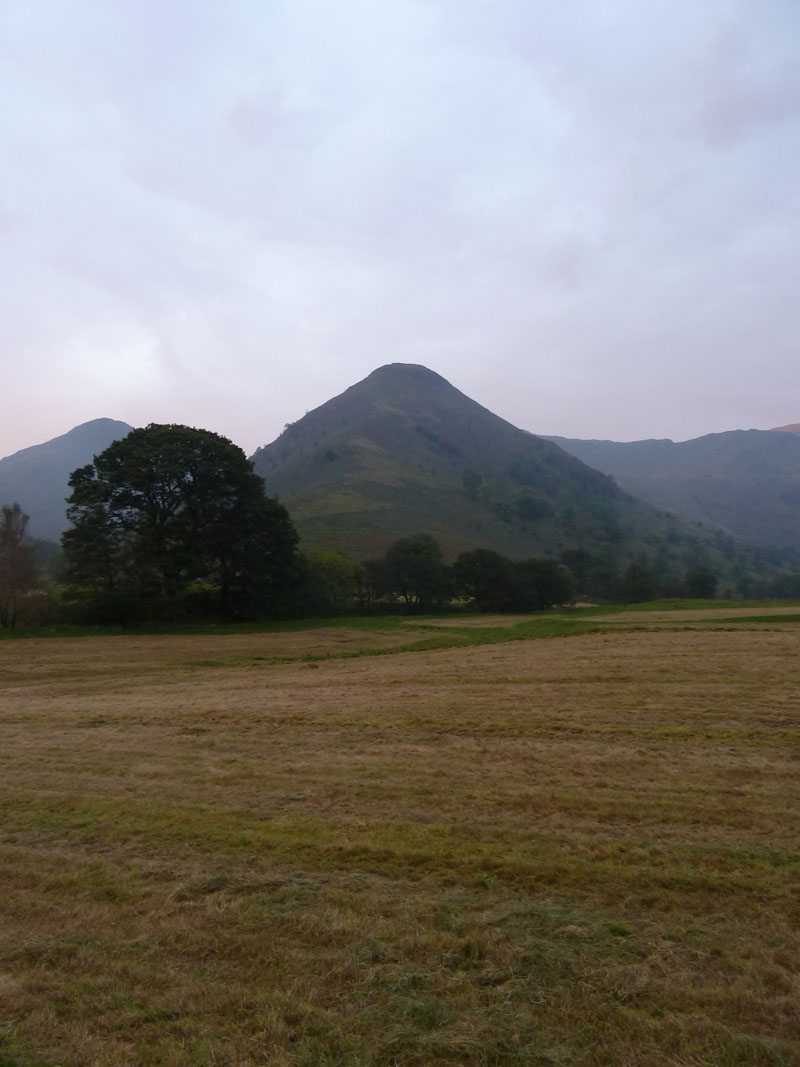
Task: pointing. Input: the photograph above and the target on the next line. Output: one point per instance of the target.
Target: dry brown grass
(702, 614)
(475, 622)
(568, 851)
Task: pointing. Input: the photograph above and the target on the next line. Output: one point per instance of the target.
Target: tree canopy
(18, 568)
(329, 584)
(169, 509)
(495, 583)
(414, 568)
(486, 578)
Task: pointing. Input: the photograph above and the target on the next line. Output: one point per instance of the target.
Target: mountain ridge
(404, 452)
(37, 477)
(400, 428)
(746, 482)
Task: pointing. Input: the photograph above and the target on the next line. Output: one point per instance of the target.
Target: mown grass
(682, 604)
(422, 633)
(271, 849)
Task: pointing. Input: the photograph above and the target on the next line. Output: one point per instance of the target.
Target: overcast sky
(585, 215)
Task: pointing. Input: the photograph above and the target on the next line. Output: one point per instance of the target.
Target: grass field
(545, 841)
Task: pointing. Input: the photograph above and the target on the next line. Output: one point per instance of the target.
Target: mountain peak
(411, 373)
(404, 451)
(100, 431)
(98, 425)
(37, 477)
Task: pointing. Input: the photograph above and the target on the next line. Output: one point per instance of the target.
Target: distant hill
(404, 452)
(37, 477)
(793, 427)
(745, 481)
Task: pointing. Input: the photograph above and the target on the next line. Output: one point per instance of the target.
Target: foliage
(539, 584)
(370, 583)
(636, 584)
(701, 583)
(329, 584)
(579, 562)
(484, 577)
(19, 572)
(495, 583)
(788, 586)
(415, 570)
(170, 506)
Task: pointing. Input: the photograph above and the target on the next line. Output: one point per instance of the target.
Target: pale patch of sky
(584, 216)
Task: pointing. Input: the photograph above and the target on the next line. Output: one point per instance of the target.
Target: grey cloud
(584, 215)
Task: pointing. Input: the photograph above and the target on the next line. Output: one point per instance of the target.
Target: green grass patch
(385, 622)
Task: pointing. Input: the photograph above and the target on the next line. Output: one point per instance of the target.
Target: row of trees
(172, 521)
(414, 571)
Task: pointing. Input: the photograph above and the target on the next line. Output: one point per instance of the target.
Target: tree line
(171, 522)
(414, 572)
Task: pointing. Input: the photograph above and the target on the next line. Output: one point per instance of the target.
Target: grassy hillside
(404, 452)
(37, 477)
(745, 481)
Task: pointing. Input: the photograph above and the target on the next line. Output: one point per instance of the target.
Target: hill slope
(37, 477)
(745, 481)
(404, 452)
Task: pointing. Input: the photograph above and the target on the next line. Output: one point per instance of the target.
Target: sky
(585, 215)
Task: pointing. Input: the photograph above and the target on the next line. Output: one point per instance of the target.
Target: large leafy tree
(539, 584)
(414, 568)
(329, 584)
(171, 507)
(19, 572)
(485, 577)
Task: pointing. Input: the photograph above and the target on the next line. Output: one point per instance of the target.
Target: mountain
(404, 452)
(37, 477)
(745, 481)
(793, 427)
